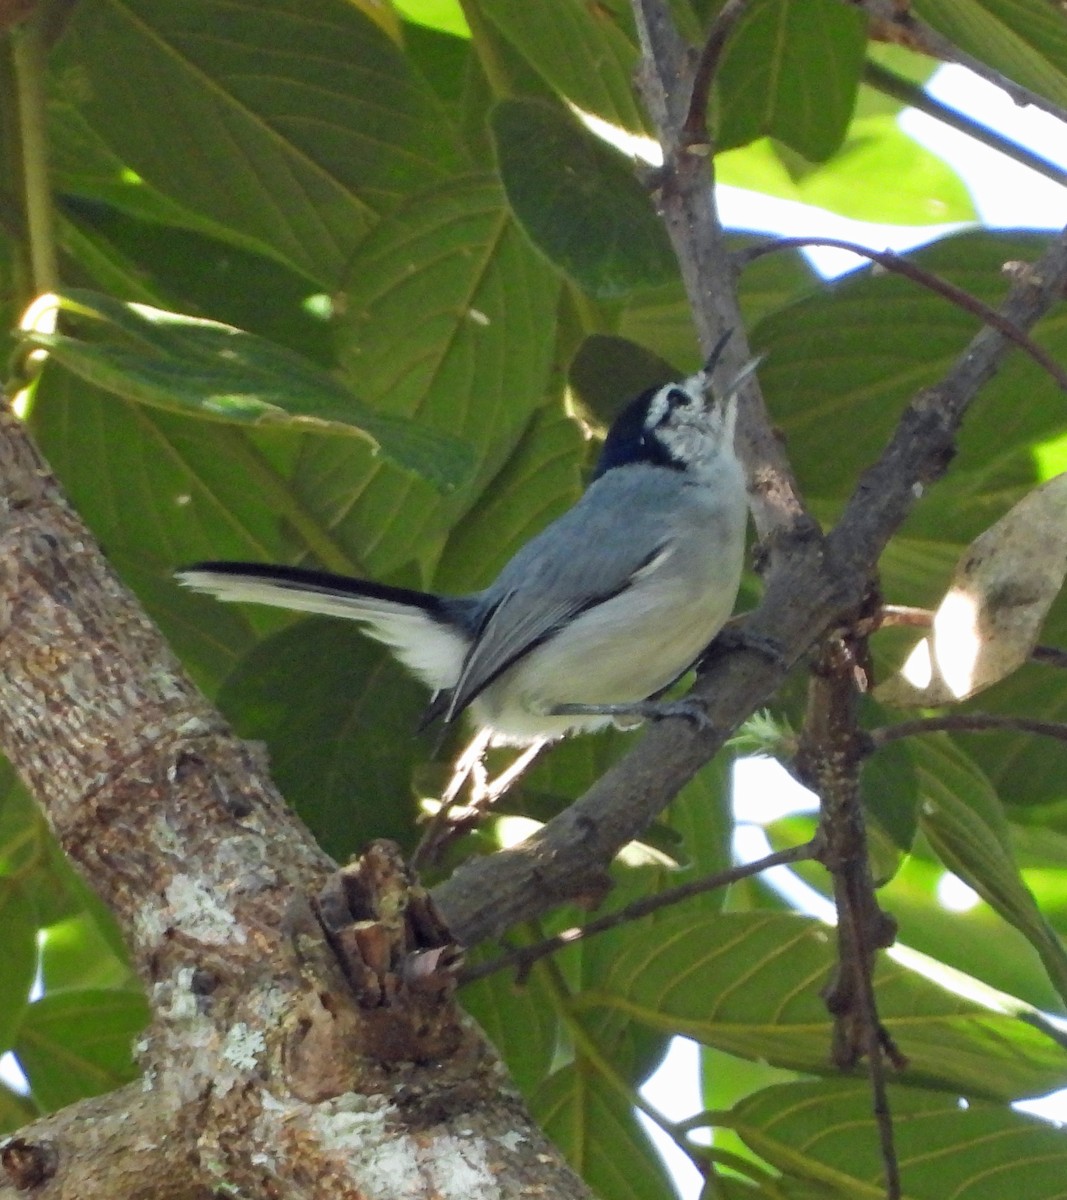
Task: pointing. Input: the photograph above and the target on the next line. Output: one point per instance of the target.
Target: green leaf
(725, 1079)
(76, 954)
(749, 983)
(22, 826)
(147, 481)
(446, 15)
(1026, 39)
(339, 715)
(964, 822)
(597, 1129)
(299, 126)
(852, 183)
(608, 371)
(962, 939)
(890, 792)
(852, 355)
(18, 935)
(75, 1044)
(160, 491)
(825, 1132)
(15, 1110)
(661, 320)
(519, 1019)
(579, 202)
(186, 271)
(191, 365)
(475, 364)
(580, 51)
(702, 814)
(791, 71)
(925, 191)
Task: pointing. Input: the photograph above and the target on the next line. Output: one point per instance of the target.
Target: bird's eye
(677, 397)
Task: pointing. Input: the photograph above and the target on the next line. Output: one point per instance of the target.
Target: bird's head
(680, 426)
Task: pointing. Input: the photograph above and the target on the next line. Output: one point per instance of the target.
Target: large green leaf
(15, 1110)
(187, 271)
(959, 939)
(339, 716)
(662, 321)
(926, 189)
(1026, 39)
(207, 369)
(791, 70)
(294, 126)
(749, 983)
(579, 49)
(597, 1129)
(446, 15)
(827, 1133)
(18, 930)
(451, 321)
(74, 1044)
(965, 824)
(579, 201)
(851, 356)
(161, 491)
(608, 371)
(76, 953)
(520, 1019)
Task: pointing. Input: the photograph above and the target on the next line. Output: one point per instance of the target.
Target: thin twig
(907, 616)
(878, 1044)
(829, 760)
(889, 83)
(934, 283)
(696, 121)
(921, 36)
(1050, 656)
(524, 956)
(966, 723)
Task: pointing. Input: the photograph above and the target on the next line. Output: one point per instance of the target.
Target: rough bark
(266, 1072)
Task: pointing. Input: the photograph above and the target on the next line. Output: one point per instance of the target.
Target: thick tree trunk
(266, 1071)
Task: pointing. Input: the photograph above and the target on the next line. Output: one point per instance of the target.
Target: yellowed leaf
(991, 616)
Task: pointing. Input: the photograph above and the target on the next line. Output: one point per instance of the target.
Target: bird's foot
(688, 707)
(739, 637)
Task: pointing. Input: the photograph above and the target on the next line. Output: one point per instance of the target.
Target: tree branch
(696, 119)
(523, 957)
(259, 1047)
(922, 618)
(927, 279)
(828, 760)
(915, 96)
(966, 723)
(896, 22)
(95, 1149)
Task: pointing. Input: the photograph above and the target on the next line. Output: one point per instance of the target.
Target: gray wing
(616, 533)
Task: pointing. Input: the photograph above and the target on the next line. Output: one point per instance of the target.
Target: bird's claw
(687, 707)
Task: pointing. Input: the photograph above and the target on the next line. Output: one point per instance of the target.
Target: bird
(594, 618)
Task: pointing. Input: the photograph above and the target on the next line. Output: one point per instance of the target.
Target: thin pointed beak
(701, 381)
(750, 368)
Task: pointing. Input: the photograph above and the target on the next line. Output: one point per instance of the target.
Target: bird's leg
(495, 788)
(688, 707)
(470, 763)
